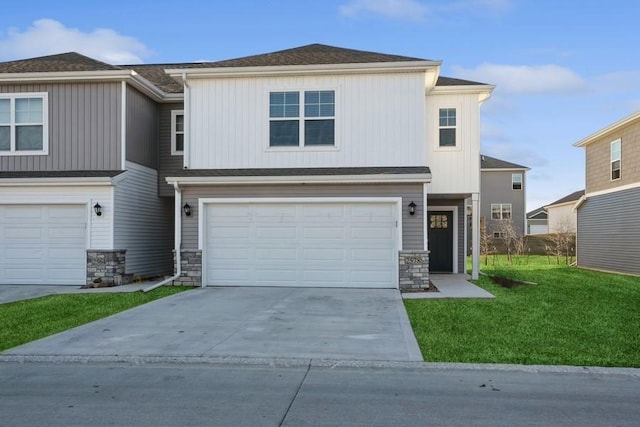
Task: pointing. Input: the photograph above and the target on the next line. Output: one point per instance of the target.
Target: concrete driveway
(313, 323)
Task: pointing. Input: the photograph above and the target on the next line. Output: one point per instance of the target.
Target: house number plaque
(416, 259)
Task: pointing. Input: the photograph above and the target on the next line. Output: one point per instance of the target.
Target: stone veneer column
(107, 267)
(190, 266)
(414, 270)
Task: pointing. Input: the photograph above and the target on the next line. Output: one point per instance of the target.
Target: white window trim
(456, 147)
(175, 113)
(301, 118)
(502, 211)
(611, 160)
(45, 123)
(521, 182)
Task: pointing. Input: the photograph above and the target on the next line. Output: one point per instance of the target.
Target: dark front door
(440, 236)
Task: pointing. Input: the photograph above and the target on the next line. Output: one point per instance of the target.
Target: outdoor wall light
(97, 209)
(187, 209)
(412, 208)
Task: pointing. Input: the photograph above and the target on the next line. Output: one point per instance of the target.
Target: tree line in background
(559, 245)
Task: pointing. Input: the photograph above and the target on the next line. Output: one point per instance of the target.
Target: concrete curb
(317, 363)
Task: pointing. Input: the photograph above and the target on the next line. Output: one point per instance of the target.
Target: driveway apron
(315, 323)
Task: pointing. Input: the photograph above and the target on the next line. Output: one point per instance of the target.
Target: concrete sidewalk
(450, 286)
(314, 323)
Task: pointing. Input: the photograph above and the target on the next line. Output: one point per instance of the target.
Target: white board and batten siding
(379, 121)
(45, 231)
(141, 222)
(301, 242)
(454, 170)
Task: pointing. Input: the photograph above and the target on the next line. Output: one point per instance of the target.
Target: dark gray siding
(412, 235)
(609, 232)
(432, 204)
(142, 129)
(168, 164)
(84, 128)
(495, 187)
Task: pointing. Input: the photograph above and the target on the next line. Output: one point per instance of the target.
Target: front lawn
(28, 320)
(570, 317)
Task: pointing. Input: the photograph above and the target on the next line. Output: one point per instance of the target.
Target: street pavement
(69, 394)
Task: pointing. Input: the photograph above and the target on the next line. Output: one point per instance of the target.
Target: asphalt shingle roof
(70, 61)
(487, 162)
(570, 198)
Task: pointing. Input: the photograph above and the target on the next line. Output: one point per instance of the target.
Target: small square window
(23, 123)
(447, 127)
(516, 181)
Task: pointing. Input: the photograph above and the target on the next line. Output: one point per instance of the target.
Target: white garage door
(301, 244)
(42, 244)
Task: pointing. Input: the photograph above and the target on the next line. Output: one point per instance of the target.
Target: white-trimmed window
(177, 132)
(501, 211)
(311, 126)
(23, 124)
(616, 157)
(516, 181)
(447, 127)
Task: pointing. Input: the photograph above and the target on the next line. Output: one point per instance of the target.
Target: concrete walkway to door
(310, 323)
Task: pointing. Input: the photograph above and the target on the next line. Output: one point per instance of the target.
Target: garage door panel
(43, 244)
(302, 244)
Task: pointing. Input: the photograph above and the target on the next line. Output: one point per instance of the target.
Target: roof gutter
(66, 181)
(311, 179)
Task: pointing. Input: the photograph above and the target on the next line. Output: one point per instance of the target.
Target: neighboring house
(608, 226)
(537, 222)
(312, 166)
(561, 214)
(502, 193)
(502, 196)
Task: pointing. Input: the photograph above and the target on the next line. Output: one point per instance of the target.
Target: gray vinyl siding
(142, 129)
(84, 127)
(412, 232)
(143, 223)
(432, 204)
(495, 187)
(168, 164)
(609, 232)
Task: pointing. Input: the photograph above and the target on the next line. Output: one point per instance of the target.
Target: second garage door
(315, 244)
(42, 244)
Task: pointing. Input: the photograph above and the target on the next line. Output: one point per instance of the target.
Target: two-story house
(561, 213)
(608, 230)
(312, 166)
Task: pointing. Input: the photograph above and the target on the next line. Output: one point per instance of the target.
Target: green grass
(570, 317)
(28, 320)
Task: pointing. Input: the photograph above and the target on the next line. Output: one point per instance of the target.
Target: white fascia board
(67, 181)
(311, 179)
(65, 76)
(483, 90)
(617, 125)
(285, 70)
(503, 169)
(558, 205)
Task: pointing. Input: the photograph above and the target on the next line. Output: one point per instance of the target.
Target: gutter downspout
(178, 240)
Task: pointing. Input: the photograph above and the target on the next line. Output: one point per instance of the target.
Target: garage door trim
(202, 202)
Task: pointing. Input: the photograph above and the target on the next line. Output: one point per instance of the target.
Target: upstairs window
(516, 181)
(501, 211)
(292, 126)
(177, 132)
(23, 124)
(616, 156)
(447, 125)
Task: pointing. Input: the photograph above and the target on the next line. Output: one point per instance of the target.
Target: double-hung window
(501, 211)
(616, 157)
(23, 124)
(516, 181)
(177, 132)
(294, 125)
(447, 124)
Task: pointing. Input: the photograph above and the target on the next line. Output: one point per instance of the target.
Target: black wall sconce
(97, 209)
(412, 208)
(187, 209)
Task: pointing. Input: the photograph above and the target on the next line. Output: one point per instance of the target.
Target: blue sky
(562, 69)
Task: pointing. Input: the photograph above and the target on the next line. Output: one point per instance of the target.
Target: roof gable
(573, 197)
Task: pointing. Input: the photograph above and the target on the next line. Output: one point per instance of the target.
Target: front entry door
(440, 236)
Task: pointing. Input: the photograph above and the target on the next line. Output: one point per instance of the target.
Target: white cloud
(48, 36)
(395, 9)
(525, 79)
